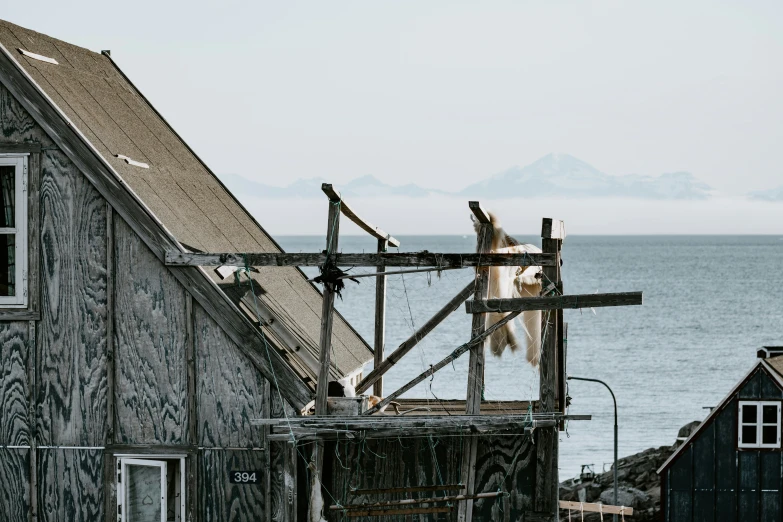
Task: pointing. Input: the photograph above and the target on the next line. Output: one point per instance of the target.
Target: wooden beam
(447, 360)
(363, 422)
(552, 229)
(546, 489)
(412, 501)
(475, 390)
(410, 489)
(557, 302)
(387, 259)
(7, 147)
(595, 508)
(302, 434)
(109, 465)
(32, 398)
(380, 321)
(140, 218)
(365, 225)
(398, 511)
(414, 339)
(327, 315)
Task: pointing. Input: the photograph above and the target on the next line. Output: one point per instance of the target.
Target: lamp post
(614, 517)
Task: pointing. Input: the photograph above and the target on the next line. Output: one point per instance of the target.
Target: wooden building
(159, 353)
(730, 468)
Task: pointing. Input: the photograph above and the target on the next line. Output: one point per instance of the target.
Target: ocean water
(709, 303)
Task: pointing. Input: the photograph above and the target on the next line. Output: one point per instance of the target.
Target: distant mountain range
(553, 175)
(775, 194)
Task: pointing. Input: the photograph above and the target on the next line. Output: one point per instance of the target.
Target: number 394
(244, 477)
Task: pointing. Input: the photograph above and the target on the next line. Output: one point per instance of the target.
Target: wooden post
(476, 364)
(32, 358)
(192, 429)
(380, 319)
(546, 491)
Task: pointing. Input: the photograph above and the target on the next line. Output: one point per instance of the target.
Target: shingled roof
(179, 191)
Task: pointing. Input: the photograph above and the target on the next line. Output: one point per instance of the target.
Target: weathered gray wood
(14, 384)
(546, 493)
(398, 511)
(552, 229)
(365, 225)
(34, 107)
(411, 501)
(15, 148)
(327, 313)
(557, 302)
(505, 463)
(380, 321)
(416, 259)
(478, 340)
(414, 339)
(109, 462)
(221, 501)
(476, 365)
(191, 470)
(14, 484)
(34, 236)
(72, 392)
(229, 392)
(283, 458)
(32, 371)
(411, 489)
(71, 484)
(150, 346)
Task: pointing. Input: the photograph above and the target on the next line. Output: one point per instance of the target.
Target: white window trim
(148, 460)
(758, 424)
(20, 161)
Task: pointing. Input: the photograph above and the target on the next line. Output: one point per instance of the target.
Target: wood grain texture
(149, 345)
(70, 485)
(221, 501)
(334, 196)
(230, 390)
(393, 463)
(14, 385)
(17, 127)
(72, 333)
(34, 235)
(14, 484)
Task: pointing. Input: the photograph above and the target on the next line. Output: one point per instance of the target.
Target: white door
(143, 490)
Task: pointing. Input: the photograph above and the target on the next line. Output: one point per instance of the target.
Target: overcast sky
(443, 93)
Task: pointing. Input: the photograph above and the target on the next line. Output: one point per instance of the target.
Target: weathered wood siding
(71, 335)
(711, 480)
(70, 485)
(14, 484)
(151, 371)
(221, 501)
(14, 388)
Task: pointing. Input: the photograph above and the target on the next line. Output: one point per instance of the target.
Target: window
(13, 230)
(759, 424)
(150, 489)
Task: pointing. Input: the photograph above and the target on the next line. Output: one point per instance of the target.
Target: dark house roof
(772, 367)
(191, 207)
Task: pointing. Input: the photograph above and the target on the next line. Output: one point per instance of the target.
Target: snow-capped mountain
(554, 175)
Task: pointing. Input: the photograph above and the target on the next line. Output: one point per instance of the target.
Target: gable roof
(775, 371)
(189, 207)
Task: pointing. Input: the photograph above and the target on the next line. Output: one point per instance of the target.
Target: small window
(150, 489)
(759, 424)
(13, 231)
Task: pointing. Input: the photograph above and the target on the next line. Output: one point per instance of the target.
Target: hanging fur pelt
(506, 282)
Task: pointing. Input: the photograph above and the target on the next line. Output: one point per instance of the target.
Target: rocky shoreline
(639, 484)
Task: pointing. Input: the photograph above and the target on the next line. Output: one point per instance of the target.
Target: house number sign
(244, 477)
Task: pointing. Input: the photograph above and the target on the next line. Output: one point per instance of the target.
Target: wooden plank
(109, 462)
(98, 171)
(595, 508)
(72, 395)
(15, 489)
(365, 225)
(71, 484)
(34, 235)
(32, 391)
(411, 489)
(15, 384)
(505, 463)
(447, 360)
(230, 391)
(390, 512)
(327, 314)
(150, 346)
(191, 467)
(558, 302)
(553, 229)
(19, 148)
(380, 322)
(475, 390)
(221, 500)
(403, 422)
(388, 259)
(414, 407)
(414, 339)
(546, 445)
(413, 501)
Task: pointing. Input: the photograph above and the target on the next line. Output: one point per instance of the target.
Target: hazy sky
(443, 93)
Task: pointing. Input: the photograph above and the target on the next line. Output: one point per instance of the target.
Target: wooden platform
(457, 407)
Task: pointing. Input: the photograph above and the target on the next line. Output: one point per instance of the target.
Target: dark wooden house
(159, 352)
(730, 468)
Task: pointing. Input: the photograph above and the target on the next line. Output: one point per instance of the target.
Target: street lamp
(614, 517)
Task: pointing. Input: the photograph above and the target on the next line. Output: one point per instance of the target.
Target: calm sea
(709, 303)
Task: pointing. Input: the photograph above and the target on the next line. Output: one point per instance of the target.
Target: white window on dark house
(150, 489)
(13, 231)
(759, 424)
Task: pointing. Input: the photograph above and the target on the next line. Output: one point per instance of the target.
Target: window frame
(20, 230)
(153, 460)
(759, 424)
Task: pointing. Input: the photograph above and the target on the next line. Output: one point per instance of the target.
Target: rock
(626, 496)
